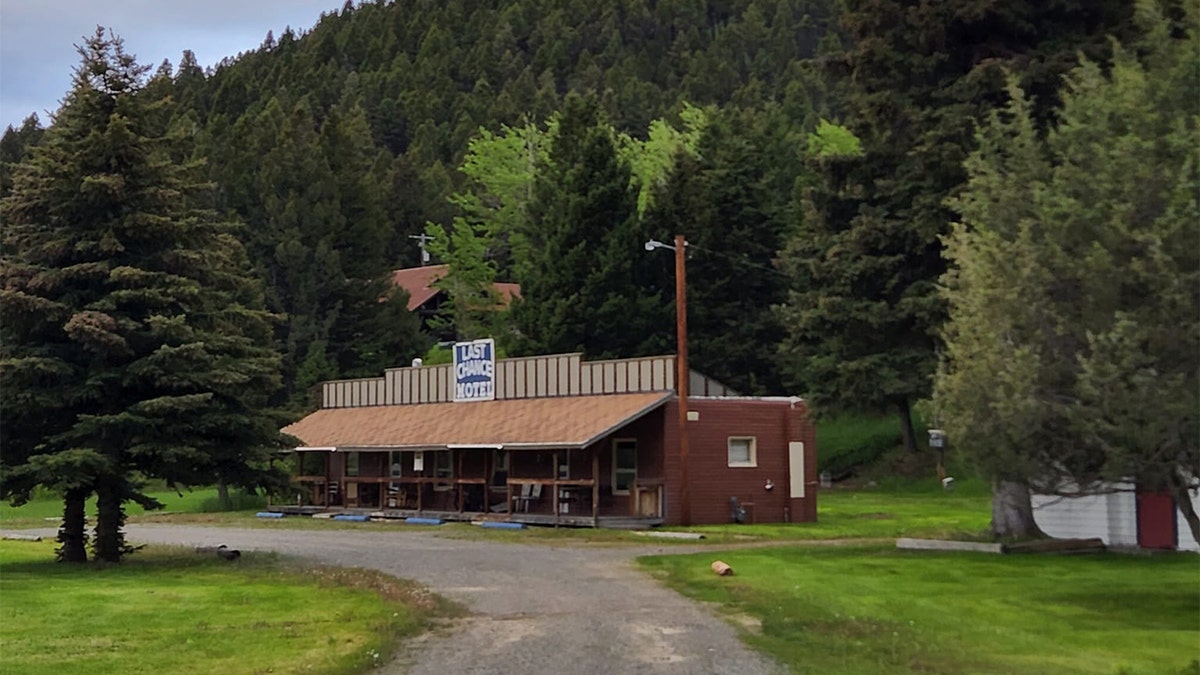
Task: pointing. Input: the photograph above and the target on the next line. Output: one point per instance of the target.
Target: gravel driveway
(535, 609)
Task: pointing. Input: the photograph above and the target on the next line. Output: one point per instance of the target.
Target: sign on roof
(475, 370)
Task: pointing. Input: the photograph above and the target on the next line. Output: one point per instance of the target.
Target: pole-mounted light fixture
(681, 363)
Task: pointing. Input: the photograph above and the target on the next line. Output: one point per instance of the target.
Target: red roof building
(418, 281)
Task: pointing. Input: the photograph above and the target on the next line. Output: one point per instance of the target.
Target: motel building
(552, 440)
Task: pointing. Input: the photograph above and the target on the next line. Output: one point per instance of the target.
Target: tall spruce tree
(864, 312)
(1073, 346)
(15, 145)
(135, 343)
(731, 199)
(583, 288)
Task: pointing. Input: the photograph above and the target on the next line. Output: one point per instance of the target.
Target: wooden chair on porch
(529, 493)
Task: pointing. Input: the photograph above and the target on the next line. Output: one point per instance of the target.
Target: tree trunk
(110, 523)
(223, 495)
(1183, 499)
(906, 425)
(72, 535)
(1012, 511)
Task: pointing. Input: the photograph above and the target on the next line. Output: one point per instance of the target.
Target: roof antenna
(421, 240)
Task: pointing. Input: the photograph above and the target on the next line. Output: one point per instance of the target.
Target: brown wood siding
(648, 431)
(772, 424)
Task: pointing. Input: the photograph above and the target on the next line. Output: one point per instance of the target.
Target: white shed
(1122, 518)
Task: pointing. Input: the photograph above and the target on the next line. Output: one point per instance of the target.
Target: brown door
(1155, 520)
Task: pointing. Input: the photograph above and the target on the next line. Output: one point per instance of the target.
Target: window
(742, 451)
(312, 463)
(499, 468)
(564, 465)
(624, 465)
(397, 467)
(352, 464)
(443, 467)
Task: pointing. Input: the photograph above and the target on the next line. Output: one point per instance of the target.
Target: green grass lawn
(919, 511)
(850, 441)
(917, 508)
(879, 610)
(170, 610)
(44, 510)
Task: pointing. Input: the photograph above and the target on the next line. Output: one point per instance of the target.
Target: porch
(536, 487)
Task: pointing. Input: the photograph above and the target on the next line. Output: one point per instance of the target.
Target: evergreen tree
(15, 145)
(581, 290)
(1073, 347)
(732, 202)
(864, 313)
(135, 342)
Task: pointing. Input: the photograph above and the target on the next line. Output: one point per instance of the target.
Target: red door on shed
(1155, 520)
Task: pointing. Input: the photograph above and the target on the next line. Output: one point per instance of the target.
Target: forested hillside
(820, 156)
(333, 145)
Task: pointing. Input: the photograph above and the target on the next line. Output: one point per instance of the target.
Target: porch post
(458, 485)
(595, 486)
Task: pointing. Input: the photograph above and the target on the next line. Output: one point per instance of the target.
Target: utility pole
(684, 375)
(422, 239)
(682, 372)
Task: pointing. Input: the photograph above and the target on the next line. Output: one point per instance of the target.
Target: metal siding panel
(622, 381)
(645, 375)
(610, 378)
(573, 377)
(406, 377)
(552, 376)
(670, 363)
(585, 380)
(504, 380)
(564, 376)
(540, 370)
(659, 377)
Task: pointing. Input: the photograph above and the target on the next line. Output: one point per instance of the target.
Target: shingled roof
(558, 422)
(418, 281)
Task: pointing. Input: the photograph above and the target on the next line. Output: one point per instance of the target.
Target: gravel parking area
(535, 609)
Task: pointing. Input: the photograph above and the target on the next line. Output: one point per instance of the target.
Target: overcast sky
(37, 38)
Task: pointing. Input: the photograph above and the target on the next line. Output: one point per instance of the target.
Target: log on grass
(721, 568)
(1092, 545)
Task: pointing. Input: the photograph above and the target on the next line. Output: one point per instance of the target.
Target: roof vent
(417, 362)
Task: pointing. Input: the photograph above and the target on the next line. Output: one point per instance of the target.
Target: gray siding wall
(530, 377)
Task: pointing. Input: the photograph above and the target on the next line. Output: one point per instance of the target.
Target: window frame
(751, 451)
(623, 470)
(437, 469)
(353, 466)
